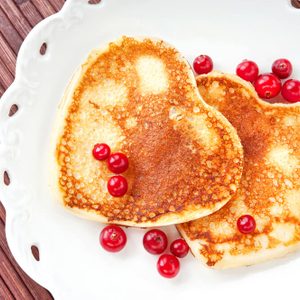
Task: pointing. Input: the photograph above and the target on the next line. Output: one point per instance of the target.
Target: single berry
(168, 265)
(101, 151)
(117, 163)
(113, 238)
(291, 90)
(246, 224)
(179, 248)
(282, 68)
(117, 186)
(248, 70)
(267, 86)
(203, 64)
(155, 241)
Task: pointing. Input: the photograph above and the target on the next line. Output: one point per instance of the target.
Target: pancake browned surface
(140, 97)
(270, 185)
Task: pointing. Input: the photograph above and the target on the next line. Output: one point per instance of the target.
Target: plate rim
(17, 209)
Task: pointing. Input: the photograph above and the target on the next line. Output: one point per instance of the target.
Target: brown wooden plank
(57, 4)
(6, 77)
(7, 55)
(1, 93)
(11, 35)
(16, 17)
(7, 272)
(5, 293)
(30, 12)
(2, 213)
(44, 7)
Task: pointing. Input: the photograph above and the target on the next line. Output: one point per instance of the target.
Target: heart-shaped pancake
(140, 97)
(270, 184)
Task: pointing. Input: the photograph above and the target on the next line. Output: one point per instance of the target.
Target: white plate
(72, 265)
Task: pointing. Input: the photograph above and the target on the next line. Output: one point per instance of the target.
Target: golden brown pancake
(140, 97)
(270, 185)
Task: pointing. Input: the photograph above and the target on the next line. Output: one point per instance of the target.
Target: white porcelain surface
(72, 265)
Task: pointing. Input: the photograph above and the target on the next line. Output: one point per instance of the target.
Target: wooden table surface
(17, 17)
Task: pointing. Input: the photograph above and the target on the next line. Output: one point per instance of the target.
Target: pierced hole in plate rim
(35, 252)
(13, 109)
(6, 178)
(295, 3)
(43, 48)
(94, 1)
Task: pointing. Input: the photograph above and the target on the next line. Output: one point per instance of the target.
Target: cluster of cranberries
(155, 241)
(267, 85)
(117, 163)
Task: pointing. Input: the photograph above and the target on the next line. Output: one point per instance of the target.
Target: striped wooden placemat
(17, 17)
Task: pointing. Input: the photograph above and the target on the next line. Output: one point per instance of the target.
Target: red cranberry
(155, 241)
(291, 90)
(203, 64)
(267, 86)
(282, 68)
(246, 224)
(117, 186)
(113, 238)
(179, 248)
(168, 265)
(248, 70)
(117, 163)
(101, 151)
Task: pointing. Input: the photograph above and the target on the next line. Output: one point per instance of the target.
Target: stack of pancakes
(202, 152)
